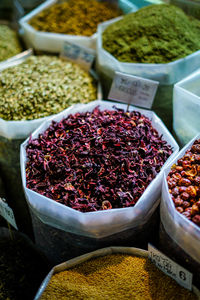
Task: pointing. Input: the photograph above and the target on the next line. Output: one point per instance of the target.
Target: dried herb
(42, 86)
(76, 17)
(116, 276)
(184, 184)
(9, 43)
(22, 268)
(154, 34)
(96, 160)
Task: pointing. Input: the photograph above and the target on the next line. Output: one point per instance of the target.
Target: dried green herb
(154, 34)
(42, 86)
(9, 43)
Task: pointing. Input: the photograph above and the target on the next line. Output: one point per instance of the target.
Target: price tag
(7, 213)
(78, 54)
(169, 267)
(133, 90)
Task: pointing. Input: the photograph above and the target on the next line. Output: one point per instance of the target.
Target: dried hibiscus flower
(96, 160)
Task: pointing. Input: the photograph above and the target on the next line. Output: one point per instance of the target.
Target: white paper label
(7, 213)
(78, 54)
(133, 90)
(169, 267)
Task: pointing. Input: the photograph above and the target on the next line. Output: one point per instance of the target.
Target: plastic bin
(190, 7)
(59, 228)
(186, 107)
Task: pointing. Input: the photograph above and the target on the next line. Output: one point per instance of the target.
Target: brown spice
(115, 276)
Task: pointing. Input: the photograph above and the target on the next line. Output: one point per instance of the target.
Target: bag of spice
(50, 24)
(111, 273)
(180, 209)
(158, 42)
(186, 106)
(30, 92)
(98, 181)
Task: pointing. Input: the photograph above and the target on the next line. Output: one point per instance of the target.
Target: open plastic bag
(92, 229)
(167, 74)
(186, 107)
(53, 42)
(179, 237)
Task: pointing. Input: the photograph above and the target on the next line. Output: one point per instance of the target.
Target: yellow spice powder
(76, 17)
(115, 276)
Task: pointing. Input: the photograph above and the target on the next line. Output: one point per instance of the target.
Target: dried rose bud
(196, 219)
(175, 191)
(182, 189)
(179, 168)
(191, 191)
(171, 183)
(187, 214)
(180, 209)
(186, 164)
(197, 180)
(198, 203)
(195, 209)
(184, 181)
(185, 196)
(178, 201)
(106, 205)
(186, 204)
(196, 148)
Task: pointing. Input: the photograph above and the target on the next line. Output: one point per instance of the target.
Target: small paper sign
(7, 213)
(169, 267)
(133, 90)
(78, 54)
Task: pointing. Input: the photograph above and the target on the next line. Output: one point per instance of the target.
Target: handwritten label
(7, 213)
(169, 267)
(78, 54)
(133, 90)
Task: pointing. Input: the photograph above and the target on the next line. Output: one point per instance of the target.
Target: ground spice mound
(9, 43)
(154, 34)
(115, 276)
(96, 160)
(42, 86)
(184, 184)
(76, 17)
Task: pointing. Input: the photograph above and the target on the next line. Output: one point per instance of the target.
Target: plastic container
(142, 3)
(59, 228)
(190, 7)
(53, 42)
(179, 237)
(186, 107)
(167, 74)
(81, 259)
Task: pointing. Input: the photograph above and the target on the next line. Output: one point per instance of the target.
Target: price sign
(78, 54)
(7, 213)
(169, 267)
(133, 90)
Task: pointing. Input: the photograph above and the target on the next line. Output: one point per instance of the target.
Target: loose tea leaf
(42, 86)
(184, 184)
(116, 276)
(96, 160)
(76, 17)
(154, 34)
(9, 43)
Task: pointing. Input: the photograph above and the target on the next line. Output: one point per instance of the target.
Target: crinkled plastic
(179, 236)
(167, 74)
(186, 108)
(98, 225)
(53, 42)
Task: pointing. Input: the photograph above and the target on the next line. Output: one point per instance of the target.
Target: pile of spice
(9, 42)
(184, 184)
(154, 34)
(96, 160)
(22, 269)
(116, 276)
(42, 86)
(76, 17)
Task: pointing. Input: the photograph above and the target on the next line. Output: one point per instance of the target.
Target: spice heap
(184, 184)
(96, 160)
(9, 43)
(21, 269)
(115, 276)
(76, 17)
(154, 34)
(42, 86)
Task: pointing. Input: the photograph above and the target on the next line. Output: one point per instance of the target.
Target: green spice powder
(154, 34)
(42, 86)
(113, 277)
(9, 43)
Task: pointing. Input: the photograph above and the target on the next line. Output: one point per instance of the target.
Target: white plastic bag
(179, 237)
(167, 74)
(186, 108)
(53, 42)
(99, 225)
